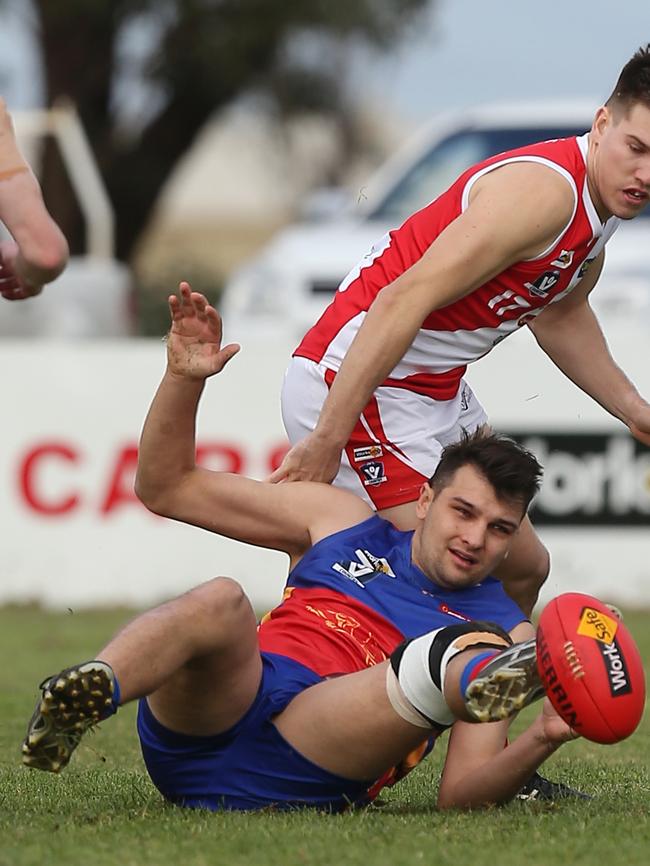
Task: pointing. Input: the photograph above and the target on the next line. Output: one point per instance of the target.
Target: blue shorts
(250, 766)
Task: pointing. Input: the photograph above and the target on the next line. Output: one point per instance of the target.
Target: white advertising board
(73, 534)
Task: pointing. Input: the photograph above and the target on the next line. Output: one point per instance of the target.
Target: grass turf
(103, 809)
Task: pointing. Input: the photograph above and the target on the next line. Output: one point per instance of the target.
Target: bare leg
(11, 159)
(39, 251)
(348, 725)
(196, 658)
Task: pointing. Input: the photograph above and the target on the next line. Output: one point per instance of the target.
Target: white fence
(73, 534)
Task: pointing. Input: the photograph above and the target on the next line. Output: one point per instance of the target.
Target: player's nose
(474, 535)
(643, 173)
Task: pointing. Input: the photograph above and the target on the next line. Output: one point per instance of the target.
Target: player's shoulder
(528, 183)
(524, 205)
(331, 510)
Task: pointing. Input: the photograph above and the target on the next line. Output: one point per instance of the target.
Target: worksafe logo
(617, 672)
(591, 479)
(367, 452)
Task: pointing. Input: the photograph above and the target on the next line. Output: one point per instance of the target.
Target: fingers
(174, 308)
(189, 304)
(229, 352)
(214, 320)
(280, 474)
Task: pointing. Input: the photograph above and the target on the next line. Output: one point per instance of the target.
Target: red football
(591, 667)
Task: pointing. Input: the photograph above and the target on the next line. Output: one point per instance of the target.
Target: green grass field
(103, 809)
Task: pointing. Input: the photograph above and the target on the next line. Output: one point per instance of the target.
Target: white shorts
(396, 444)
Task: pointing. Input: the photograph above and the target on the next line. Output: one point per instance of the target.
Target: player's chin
(627, 208)
(461, 576)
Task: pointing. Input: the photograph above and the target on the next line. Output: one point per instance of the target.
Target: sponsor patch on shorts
(368, 452)
(373, 473)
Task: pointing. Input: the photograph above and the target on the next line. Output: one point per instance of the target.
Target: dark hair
(633, 83)
(511, 469)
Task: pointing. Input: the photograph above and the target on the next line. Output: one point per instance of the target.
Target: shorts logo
(598, 625)
(584, 267)
(368, 452)
(564, 260)
(464, 399)
(543, 285)
(373, 473)
(617, 673)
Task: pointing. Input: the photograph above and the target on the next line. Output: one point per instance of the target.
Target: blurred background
(258, 148)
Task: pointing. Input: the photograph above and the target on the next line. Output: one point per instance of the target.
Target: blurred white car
(289, 283)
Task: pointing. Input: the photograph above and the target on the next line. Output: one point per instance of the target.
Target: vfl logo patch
(564, 260)
(368, 452)
(617, 673)
(366, 565)
(373, 473)
(598, 625)
(543, 285)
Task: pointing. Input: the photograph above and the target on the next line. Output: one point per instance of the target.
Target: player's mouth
(635, 196)
(463, 559)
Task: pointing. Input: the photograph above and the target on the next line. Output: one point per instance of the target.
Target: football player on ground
(38, 251)
(383, 639)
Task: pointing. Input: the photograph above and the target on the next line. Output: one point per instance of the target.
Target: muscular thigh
(213, 690)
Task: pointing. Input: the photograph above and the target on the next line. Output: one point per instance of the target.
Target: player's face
(619, 161)
(465, 531)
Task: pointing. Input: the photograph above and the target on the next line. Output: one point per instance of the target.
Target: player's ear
(601, 121)
(424, 501)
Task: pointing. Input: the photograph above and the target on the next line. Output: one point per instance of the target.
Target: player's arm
(39, 251)
(514, 213)
(498, 778)
(570, 334)
(283, 517)
(482, 768)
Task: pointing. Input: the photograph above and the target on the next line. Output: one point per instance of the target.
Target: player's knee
(220, 599)
(416, 678)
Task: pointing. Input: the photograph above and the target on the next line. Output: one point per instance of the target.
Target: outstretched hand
(12, 286)
(556, 730)
(311, 459)
(194, 340)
